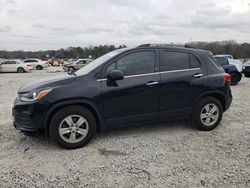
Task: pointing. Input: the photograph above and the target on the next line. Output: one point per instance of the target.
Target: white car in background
(37, 63)
(232, 61)
(13, 65)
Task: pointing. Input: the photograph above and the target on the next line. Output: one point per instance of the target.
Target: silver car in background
(76, 65)
(37, 63)
(14, 66)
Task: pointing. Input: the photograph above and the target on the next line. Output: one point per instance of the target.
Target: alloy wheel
(73, 128)
(209, 114)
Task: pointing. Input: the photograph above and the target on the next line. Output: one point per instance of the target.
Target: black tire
(59, 117)
(235, 78)
(196, 119)
(39, 67)
(20, 70)
(247, 75)
(71, 69)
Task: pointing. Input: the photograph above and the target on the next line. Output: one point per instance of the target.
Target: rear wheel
(72, 127)
(235, 78)
(20, 70)
(39, 67)
(207, 114)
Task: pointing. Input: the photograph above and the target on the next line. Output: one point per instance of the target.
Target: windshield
(97, 62)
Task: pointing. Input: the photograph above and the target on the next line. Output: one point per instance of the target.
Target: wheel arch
(86, 104)
(19, 68)
(215, 94)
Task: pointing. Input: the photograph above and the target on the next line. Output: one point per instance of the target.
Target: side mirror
(115, 75)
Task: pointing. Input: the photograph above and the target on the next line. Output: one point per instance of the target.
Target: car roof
(173, 47)
(84, 59)
(32, 59)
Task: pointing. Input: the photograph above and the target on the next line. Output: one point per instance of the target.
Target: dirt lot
(163, 155)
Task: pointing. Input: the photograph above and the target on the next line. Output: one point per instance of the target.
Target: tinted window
(222, 61)
(8, 62)
(194, 63)
(31, 61)
(135, 63)
(174, 61)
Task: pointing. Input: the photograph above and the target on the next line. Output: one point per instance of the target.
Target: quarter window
(174, 61)
(134, 63)
(194, 63)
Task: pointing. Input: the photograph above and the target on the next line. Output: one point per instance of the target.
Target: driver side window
(135, 63)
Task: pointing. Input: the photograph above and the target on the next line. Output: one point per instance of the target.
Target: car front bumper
(29, 116)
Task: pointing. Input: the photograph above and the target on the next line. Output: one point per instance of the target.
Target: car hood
(47, 83)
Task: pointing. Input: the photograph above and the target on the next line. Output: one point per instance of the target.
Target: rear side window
(174, 61)
(31, 61)
(134, 63)
(194, 63)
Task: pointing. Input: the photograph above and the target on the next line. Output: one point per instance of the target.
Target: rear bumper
(45, 65)
(29, 116)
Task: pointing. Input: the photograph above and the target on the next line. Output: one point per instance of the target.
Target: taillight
(227, 79)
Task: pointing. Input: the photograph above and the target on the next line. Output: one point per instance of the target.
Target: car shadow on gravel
(154, 128)
(44, 142)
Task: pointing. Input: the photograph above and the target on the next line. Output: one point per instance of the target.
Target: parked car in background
(56, 62)
(232, 61)
(230, 69)
(225, 55)
(76, 65)
(126, 86)
(37, 63)
(14, 66)
(246, 69)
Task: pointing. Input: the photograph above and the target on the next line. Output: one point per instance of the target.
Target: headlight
(34, 95)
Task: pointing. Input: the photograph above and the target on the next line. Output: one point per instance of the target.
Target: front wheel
(72, 127)
(207, 114)
(71, 69)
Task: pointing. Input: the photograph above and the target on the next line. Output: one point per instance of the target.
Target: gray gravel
(159, 155)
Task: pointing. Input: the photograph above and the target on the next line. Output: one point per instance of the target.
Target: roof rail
(160, 45)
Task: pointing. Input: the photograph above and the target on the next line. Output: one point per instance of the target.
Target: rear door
(182, 80)
(136, 97)
(33, 62)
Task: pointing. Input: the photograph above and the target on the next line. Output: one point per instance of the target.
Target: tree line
(224, 47)
(71, 52)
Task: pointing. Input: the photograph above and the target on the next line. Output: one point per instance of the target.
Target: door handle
(198, 75)
(152, 83)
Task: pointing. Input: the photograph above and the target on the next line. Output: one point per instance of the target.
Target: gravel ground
(159, 155)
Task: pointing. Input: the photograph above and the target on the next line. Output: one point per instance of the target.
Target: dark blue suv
(230, 69)
(126, 86)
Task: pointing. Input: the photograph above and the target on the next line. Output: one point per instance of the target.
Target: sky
(54, 24)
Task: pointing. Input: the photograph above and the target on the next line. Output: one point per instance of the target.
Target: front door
(136, 97)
